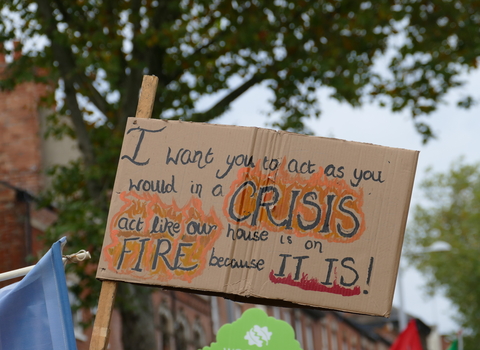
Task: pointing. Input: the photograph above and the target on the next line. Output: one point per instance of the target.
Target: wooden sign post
(101, 327)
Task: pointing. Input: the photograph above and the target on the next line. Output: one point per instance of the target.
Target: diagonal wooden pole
(101, 327)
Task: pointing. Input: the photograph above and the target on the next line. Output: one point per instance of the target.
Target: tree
(452, 215)
(96, 52)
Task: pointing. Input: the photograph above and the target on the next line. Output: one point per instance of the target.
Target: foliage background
(452, 215)
(96, 53)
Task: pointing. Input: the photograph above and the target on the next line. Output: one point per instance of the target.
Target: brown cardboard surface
(257, 213)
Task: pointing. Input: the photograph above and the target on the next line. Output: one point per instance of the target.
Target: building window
(262, 307)
(198, 336)
(164, 334)
(345, 344)
(364, 344)
(309, 336)
(165, 325)
(230, 311)
(325, 345)
(354, 343)
(237, 310)
(197, 342)
(276, 312)
(334, 341)
(182, 332)
(215, 315)
(180, 338)
(286, 317)
(298, 328)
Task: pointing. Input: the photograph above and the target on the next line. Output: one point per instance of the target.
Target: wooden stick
(101, 327)
(147, 97)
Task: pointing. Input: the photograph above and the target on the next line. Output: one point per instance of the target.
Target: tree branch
(78, 122)
(95, 97)
(221, 106)
(133, 81)
(67, 69)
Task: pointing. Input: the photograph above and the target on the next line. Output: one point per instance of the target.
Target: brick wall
(20, 143)
(12, 238)
(20, 174)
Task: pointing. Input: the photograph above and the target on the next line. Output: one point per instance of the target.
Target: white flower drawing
(257, 335)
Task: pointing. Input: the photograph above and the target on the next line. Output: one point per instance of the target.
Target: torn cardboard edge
(245, 299)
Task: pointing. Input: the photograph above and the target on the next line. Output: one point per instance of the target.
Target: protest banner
(258, 215)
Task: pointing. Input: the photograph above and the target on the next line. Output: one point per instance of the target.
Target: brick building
(20, 175)
(183, 321)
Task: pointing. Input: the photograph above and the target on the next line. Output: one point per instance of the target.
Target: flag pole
(72, 258)
(101, 327)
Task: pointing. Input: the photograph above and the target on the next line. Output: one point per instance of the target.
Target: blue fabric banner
(35, 313)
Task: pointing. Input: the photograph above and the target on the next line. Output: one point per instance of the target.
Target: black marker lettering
(139, 143)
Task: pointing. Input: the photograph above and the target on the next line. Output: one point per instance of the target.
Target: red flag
(408, 339)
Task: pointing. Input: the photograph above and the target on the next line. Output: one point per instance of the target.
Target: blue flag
(35, 313)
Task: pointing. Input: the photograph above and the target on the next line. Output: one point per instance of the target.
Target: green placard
(255, 330)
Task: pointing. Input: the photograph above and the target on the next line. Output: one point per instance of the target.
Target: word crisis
(313, 206)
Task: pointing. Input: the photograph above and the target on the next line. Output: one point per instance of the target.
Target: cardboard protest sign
(258, 213)
(255, 329)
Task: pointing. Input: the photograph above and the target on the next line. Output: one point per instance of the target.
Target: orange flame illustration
(153, 240)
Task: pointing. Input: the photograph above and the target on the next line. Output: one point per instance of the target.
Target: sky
(457, 136)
